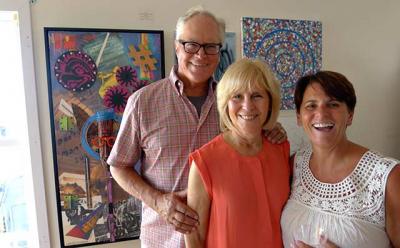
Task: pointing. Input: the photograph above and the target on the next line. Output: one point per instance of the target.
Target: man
(163, 123)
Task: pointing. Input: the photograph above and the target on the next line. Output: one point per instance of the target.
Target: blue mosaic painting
(292, 48)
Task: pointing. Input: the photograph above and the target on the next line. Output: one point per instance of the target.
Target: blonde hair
(198, 10)
(243, 75)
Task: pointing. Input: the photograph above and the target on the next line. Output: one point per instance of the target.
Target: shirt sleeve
(286, 149)
(127, 147)
(286, 152)
(203, 170)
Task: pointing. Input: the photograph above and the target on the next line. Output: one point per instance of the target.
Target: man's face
(199, 67)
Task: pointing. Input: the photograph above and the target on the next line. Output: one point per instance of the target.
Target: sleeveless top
(351, 212)
(247, 193)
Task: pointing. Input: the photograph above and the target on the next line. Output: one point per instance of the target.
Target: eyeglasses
(193, 47)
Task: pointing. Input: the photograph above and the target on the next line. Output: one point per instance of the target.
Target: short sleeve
(286, 149)
(127, 149)
(203, 170)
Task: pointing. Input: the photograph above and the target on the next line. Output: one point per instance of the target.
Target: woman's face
(248, 111)
(323, 118)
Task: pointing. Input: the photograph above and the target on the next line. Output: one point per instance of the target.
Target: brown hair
(334, 84)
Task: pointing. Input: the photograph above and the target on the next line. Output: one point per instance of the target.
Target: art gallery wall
(360, 40)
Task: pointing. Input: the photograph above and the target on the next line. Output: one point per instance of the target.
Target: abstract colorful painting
(91, 73)
(227, 54)
(292, 48)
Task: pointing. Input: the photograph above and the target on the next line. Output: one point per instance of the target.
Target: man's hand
(277, 134)
(172, 207)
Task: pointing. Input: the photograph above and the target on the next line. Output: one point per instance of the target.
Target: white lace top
(351, 212)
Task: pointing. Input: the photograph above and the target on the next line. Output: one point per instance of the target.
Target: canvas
(91, 74)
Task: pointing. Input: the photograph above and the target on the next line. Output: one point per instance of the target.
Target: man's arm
(171, 206)
(198, 199)
(126, 151)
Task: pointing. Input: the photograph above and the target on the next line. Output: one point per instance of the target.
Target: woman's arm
(198, 200)
(392, 205)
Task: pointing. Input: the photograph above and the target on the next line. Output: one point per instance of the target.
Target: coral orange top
(247, 193)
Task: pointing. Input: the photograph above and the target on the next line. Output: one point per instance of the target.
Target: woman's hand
(323, 243)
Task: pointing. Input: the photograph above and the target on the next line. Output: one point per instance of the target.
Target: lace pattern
(360, 195)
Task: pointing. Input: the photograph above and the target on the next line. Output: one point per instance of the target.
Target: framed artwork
(227, 55)
(91, 73)
(292, 48)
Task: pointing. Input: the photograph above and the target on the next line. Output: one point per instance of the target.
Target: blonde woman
(239, 181)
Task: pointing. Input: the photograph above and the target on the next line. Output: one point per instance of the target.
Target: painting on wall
(292, 48)
(91, 73)
(227, 55)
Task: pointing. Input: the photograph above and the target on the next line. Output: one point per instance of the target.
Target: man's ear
(176, 45)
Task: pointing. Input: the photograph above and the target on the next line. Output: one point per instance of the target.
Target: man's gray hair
(198, 10)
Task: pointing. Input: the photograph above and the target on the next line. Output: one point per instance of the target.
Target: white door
(23, 215)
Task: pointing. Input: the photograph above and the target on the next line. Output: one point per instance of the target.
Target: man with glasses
(163, 123)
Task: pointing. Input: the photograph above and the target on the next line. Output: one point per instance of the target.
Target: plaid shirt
(160, 127)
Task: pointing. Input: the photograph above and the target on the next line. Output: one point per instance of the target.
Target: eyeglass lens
(193, 47)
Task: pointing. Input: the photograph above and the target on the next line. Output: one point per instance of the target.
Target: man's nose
(201, 51)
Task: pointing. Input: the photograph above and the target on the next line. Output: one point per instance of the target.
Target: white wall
(360, 40)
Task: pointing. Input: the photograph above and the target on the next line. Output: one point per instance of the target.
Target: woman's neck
(333, 164)
(247, 146)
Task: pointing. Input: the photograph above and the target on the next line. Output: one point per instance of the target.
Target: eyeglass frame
(204, 46)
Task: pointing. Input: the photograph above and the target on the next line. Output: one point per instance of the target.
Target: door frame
(39, 223)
